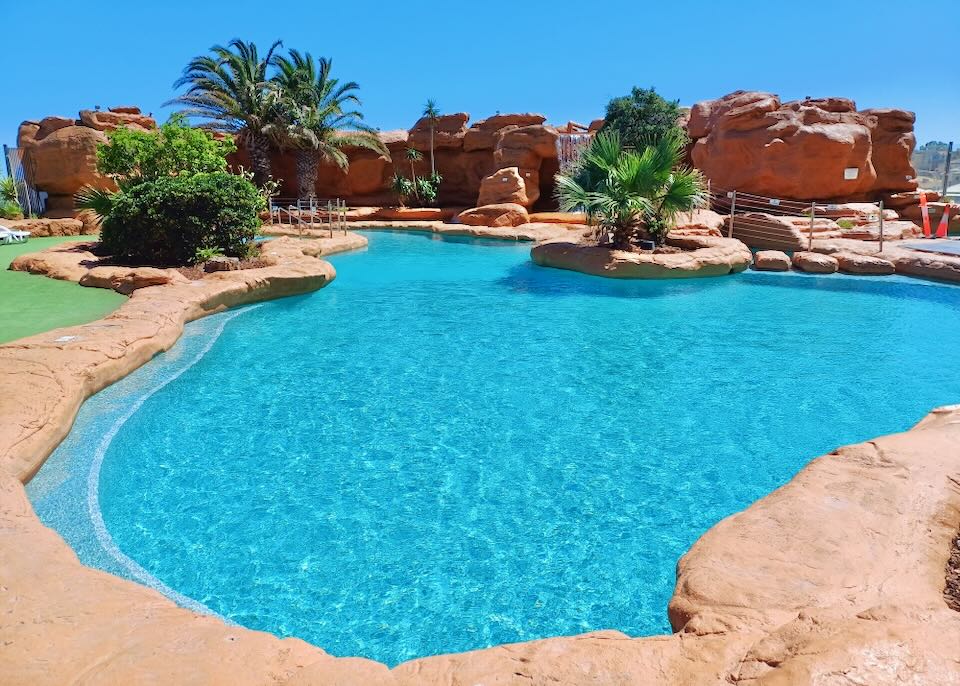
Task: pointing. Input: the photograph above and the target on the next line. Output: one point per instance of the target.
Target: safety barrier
(776, 224)
(311, 213)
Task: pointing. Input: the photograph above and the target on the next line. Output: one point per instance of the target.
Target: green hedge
(167, 220)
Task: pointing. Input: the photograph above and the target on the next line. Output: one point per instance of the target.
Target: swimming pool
(450, 447)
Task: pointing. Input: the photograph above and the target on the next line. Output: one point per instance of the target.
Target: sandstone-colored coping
(835, 578)
(906, 261)
(45, 378)
(532, 232)
(706, 256)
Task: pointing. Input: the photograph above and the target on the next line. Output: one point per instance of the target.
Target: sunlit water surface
(450, 447)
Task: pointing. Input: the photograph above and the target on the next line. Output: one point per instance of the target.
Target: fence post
(813, 214)
(946, 170)
(881, 226)
(733, 210)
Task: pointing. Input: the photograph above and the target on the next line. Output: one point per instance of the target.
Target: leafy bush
(10, 210)
(9, 206)
(170, 220)
(174, 149)
(642, 118)
(8, 190)
(403, 187)
(427, 188)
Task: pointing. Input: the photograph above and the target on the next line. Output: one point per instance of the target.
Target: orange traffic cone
(925, 213)
(944, 222)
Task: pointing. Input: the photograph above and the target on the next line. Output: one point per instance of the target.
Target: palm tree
(628, 194)
(230, 90)
(432, 113)
(319, 121)
(413, 155)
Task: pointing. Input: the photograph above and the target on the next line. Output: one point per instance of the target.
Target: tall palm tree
(628, 194)
(320, 123)
(413, 155)
(229, 89)
(432, 113)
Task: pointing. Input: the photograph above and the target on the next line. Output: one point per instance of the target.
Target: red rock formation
(505, 185)
(810, 149)
(63, 160)
(504, 214)
(116, 117)
(61, 153)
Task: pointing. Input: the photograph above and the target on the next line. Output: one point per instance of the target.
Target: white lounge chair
(8, 236)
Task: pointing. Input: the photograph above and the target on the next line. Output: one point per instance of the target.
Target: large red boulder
(448, 132)
(63, 161)
(504, 214)
(117, 117)
(807, 149)
(893, 144)
(484, 134)
(502, 186)
(61, 153)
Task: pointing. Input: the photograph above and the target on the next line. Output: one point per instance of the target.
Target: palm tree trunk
(413, 179)
(308, 164)
(433, 167)
(259, 148)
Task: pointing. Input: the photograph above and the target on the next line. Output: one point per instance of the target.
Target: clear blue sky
(479, 57)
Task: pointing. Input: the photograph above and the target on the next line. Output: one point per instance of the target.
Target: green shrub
(642, 118)
(403, 187)
(426, 189)
(8, 190)
(175, 149)
(172, 220)
(10, 210)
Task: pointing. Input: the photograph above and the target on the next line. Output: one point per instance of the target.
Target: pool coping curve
(840, 571)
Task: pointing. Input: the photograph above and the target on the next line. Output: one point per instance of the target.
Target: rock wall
(60, 154)
(820, 149)
(464, 156)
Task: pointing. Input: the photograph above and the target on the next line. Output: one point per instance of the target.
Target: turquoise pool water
(450, 447)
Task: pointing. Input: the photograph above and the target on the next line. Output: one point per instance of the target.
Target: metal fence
(309, 213)
(776, 224)
(31, 201)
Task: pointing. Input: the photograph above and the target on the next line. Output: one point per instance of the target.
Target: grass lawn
(32, 304)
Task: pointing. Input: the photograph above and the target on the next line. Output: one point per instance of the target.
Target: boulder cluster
(464, 156)
(61, 153)
(815, 149)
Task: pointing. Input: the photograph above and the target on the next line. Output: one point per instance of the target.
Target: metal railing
(309, 213)
(30, 200)
(773, 223)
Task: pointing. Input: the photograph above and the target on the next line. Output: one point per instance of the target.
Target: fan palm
(229, 89)
(628, 194)
(432, 113)
(320, 121)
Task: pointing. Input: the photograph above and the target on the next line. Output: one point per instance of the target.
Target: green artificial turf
(31, 304)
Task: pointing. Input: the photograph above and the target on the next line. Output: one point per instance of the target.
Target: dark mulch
(951, 593)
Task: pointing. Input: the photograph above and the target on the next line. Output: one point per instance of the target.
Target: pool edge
(866, 529)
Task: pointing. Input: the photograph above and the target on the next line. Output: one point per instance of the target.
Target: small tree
(175, 149)
(642, 117)
(432, 113)
(131, 157)
(630, 194)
